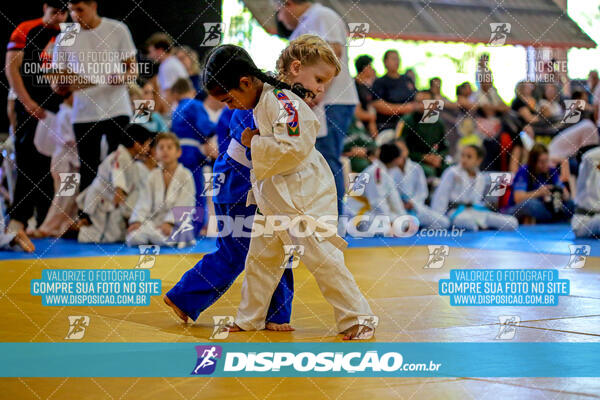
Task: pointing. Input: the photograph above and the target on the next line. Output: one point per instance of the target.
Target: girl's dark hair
(534, 155)
(225, 65)
(480, 151)
(388, 152)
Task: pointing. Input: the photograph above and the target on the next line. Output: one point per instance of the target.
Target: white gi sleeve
(441, 196)
(420, 189)
(186, 194)
(288, 147)
(100, 190)
(143, 206)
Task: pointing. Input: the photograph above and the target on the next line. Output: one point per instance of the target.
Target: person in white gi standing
(290, 179)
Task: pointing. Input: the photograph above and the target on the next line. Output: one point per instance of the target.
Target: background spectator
(394, 93)
(34, 188)
(160, 50)
(364, 112)
(189, 59)
(101, 105)
(537, 194)
(426, 142)
(338, 103)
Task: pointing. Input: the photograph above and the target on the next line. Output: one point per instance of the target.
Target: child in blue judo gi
(210, 278)
(193, 127)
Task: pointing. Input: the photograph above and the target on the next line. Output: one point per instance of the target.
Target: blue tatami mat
(552, 239)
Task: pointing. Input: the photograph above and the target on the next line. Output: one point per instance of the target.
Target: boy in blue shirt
(190, 122)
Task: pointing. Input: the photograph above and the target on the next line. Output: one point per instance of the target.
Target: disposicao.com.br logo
(315, 363)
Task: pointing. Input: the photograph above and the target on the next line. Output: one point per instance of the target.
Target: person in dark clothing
(394, 93)
(426, 140)
(27, 56)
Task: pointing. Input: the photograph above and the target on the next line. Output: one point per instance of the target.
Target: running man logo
(437, 256)
(143, 111)
(148, 253)
(77, 326)
(366, 326)
(183, 229)
(292, 252)
(500, 181)
(508, 327)
(500, 32)
(357, 183)
(357, 33)
(431, 112)
(573, 111)
(287, 111)
(68, 33)
(213, 31)
(221, 326)
(207, 359)
(579, 253)
(69, 181)
(212, 183)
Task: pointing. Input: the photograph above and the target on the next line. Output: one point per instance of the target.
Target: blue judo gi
(193, 127)
(210, 278)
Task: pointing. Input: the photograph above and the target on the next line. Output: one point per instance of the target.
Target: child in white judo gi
(379, 205)
(109, 200)
(586, 221)
(460, 195)
(165, 208)
(290, 179)
(411, 183)
(63, 209)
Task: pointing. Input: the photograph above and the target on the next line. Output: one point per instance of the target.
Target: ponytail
(296, 88)
(226, 64)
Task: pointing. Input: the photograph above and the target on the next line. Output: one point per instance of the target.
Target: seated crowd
(474, 163)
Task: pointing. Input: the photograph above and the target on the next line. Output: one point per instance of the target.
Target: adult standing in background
(170, 68)
(27, 52)
(394, 93)
(365, 76)
(338, 103)
(102, 55)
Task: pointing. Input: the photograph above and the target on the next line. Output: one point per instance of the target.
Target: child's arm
(441, 196)
(143, 205)
(421, 191)
(396, 205)
(187, 194)
(119, 179)
(383, 196)
(291, 143)
(100, 191)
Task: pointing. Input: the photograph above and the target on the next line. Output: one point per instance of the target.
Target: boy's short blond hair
(308, 49)
(168, 136)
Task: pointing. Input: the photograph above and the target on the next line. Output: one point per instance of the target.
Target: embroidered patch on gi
(288, 108)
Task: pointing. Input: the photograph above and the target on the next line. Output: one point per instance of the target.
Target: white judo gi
(460, 197)
(108, 222)
(157, 205)
(380, 198)
(63, 209)
(412, 185)
(290, 178)
(586, 221)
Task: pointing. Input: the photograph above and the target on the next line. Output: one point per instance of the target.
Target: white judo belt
(238, 152)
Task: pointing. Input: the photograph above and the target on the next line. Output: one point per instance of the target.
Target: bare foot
(359, 332)
(22, 240)
(177, 310)
(234, 328)
(38, 234)
(272, 326)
